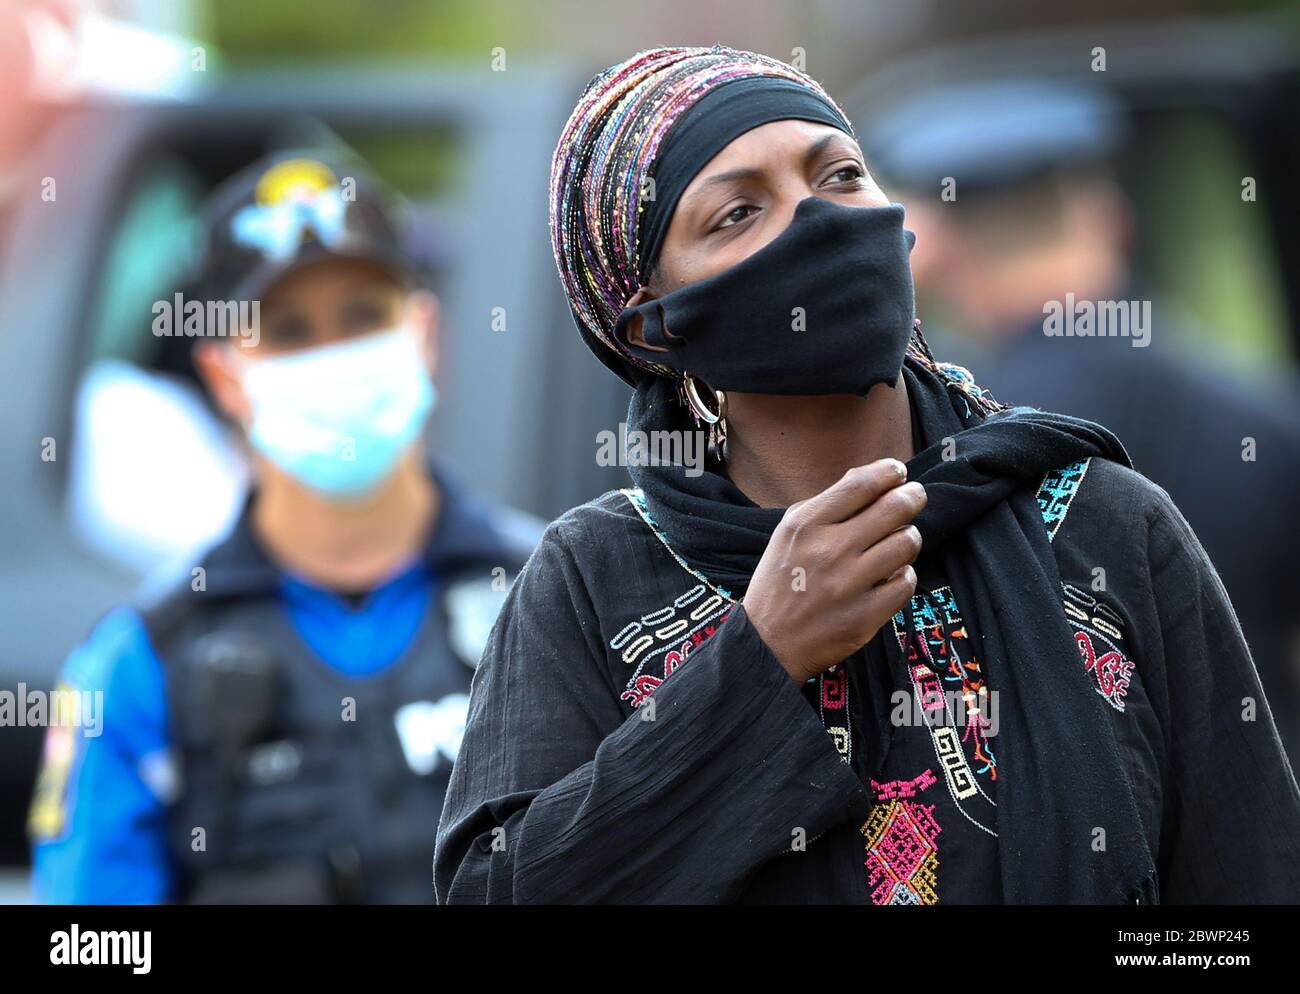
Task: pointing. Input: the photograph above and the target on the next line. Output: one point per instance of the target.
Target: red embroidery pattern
(1112, 671)
(1099, 634)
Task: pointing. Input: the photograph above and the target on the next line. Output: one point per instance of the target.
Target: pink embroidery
(902, 856)
(833, 690)
(903, 788)
(930, 693)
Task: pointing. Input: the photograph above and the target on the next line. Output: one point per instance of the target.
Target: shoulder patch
(48, 816)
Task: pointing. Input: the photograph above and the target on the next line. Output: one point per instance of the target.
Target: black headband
(708, 126)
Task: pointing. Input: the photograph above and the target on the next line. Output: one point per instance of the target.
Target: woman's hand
(837, 568)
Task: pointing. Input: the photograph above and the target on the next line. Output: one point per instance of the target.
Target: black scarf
(1063, 778)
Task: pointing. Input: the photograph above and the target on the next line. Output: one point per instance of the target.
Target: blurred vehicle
(79, 274)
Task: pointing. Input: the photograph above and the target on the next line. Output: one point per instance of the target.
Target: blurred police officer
(281, 725)
(1038, 215)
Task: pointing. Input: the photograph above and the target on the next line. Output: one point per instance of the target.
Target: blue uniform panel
(359, 641)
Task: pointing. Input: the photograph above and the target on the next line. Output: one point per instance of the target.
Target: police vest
(299, 783)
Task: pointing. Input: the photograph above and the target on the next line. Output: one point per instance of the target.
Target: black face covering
(825, 308)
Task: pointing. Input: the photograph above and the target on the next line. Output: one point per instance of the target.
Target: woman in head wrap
(892, 642)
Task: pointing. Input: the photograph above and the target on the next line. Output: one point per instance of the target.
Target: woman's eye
(736, 215)
(847, 174)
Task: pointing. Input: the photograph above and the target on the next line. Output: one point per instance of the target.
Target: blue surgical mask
(339, 417)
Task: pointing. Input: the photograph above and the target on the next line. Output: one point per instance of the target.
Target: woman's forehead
(778, 143)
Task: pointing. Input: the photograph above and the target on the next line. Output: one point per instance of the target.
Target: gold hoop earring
(716, 419)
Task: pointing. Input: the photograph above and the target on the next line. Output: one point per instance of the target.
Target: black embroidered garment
(632, 739)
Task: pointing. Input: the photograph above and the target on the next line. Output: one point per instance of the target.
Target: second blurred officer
(281, 726)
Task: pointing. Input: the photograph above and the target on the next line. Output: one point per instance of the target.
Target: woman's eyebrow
(821, 144)
(734, 176)
(750, 173)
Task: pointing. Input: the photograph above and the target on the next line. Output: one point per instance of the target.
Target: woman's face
(747, 194)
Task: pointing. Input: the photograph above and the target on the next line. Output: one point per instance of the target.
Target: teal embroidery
(1057, 491)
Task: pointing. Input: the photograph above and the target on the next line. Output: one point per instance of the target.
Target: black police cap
(291, 209)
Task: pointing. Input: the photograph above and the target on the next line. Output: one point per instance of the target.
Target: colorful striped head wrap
(641, 132)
